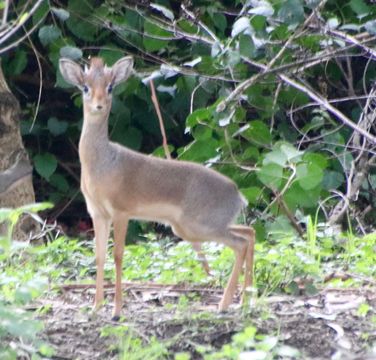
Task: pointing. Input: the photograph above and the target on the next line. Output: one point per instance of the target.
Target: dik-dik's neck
(94, 140)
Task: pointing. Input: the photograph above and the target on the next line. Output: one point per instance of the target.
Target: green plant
(247, 344)
(133, 347)
(207, 50)
(18, 329)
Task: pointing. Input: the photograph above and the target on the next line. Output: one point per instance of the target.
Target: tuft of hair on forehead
(96, 63)
(96, 67)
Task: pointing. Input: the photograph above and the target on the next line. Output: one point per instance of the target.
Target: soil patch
(334, 324)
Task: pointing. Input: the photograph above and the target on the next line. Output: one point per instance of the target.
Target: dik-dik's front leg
(120, 231)
(102, 231)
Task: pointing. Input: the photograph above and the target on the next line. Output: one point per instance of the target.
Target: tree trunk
(12, 153)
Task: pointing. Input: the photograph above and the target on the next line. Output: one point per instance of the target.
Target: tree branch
(161, 124)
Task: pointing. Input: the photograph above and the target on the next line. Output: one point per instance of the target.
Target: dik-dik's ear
(121, 70)
(72, 72)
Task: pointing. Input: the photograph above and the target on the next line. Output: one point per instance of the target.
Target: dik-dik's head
(97, 81)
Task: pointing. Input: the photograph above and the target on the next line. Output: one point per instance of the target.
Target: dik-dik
(120, 184)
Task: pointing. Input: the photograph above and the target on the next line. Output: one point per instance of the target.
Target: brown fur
(120, 184)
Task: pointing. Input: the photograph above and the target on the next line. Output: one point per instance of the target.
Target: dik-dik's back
(118, 184)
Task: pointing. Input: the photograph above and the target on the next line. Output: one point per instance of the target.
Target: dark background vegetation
(291, 156)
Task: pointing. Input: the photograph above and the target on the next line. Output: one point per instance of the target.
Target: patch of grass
(283, 263)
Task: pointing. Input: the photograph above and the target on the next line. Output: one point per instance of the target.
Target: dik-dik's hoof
(115, 318)
(222, 307)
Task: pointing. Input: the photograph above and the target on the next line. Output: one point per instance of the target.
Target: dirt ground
(334, 324)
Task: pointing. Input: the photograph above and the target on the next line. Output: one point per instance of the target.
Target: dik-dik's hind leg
(102, 231)
(240, 248)
(242, 242)
(248, 234)
(201, 256)
(120, 231)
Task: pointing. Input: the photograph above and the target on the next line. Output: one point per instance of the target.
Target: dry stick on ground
(143, 286)
(154, 99)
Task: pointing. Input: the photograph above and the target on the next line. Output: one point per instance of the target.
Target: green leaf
(360, 7)
(251, 153)
(282, 154)
(263, 8)
(152, 37)
(71, 52)
(371, 27)
(45, 164)
(332, 180)
(81, 24)
(318, 159)
(291, 12)
(297, 197)
(59, 182)
(275, 157)
(253, 194)
(22, 18)
(36, 207)
(19, 63)
(202, 132)
(48, 34)
(291, 152)
(131, 138)
(111, 54)
(309, 175)
(271, 175)
(41, 12)
(242, 25)
(56, 126)
(246, 46)
(219, 21)
(62, 14)
(200, 150)
(258, 132)
(198, 116)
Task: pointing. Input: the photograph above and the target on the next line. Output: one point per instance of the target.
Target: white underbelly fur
(157, 212)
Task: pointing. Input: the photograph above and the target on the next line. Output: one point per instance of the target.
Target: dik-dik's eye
(85, 89)
(109, 89)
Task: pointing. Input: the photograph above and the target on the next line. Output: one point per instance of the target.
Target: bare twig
(325, 103)
(288, 213)
(143, 286)
(19, 24)
(265, 68)
(352, 40)
(5, 13)
(360, 166)
(161, 124)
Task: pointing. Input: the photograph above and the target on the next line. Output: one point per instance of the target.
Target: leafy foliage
(17, 288)
(197, 55)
